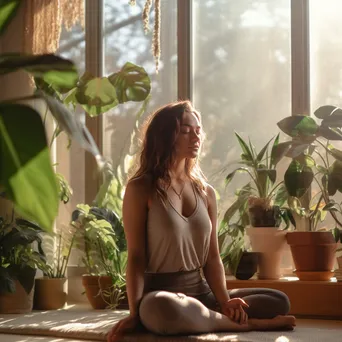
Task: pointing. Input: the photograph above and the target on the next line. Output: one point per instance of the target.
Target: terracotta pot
(93, 292)
(312, 252)
(248, 265)
(16, 303)
(94, 287)
(50, 293)
(269, 243)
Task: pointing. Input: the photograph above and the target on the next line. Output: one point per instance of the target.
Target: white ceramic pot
(269, 242)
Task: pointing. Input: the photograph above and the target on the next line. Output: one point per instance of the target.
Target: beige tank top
(177, 243)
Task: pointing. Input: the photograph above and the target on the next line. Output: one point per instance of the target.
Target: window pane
(241, 82)
(325, 53)
(325, 66)
(125, 41)
(241, 78)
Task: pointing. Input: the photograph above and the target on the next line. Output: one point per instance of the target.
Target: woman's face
(188, 141)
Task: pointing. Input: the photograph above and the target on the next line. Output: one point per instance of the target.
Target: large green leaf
(262, 152)
(336, 153)
(8, 9)
(334, 120)
(240, 201)
(132, 83)
(281, 196)
(335, 178)
(232, 174)
(59, 72)
(298, 179)
(73, 126)
(25, 167)
(330, 133)
(324, 112)
(296, 149)
(298, 125)
(7, 284)
(279, 151)
(246, 152)
(96, 95)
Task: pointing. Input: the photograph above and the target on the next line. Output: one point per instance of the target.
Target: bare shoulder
(211, 193)
(140, 186)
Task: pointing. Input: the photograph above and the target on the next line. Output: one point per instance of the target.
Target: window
(241, 78)
(248, 67)
(125, 41)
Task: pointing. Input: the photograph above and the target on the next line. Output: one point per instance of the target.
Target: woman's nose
(195, 136)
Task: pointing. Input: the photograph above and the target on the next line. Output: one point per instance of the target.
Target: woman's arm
(135, 206)
(213, 269)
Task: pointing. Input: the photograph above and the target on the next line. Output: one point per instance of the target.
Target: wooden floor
(319, 299)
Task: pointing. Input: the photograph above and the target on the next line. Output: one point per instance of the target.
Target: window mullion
(300, 57)
(94, 65)
(184, 34)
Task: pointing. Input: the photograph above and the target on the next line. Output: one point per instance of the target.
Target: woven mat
(94, 325)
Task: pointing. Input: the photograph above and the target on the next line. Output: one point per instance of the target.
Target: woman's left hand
(233, 309)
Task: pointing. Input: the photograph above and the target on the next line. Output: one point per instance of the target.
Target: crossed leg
(168, 313)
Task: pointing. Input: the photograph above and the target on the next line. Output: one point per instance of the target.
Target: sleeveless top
(176, 243)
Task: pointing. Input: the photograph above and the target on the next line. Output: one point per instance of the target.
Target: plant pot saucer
(314, 275)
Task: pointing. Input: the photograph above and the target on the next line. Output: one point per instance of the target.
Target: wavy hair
(158, 147)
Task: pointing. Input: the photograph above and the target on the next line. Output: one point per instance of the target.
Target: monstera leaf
(298, 178)
(298, 125)
(96, 94)
(131, 83)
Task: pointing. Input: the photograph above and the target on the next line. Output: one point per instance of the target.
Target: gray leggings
(168, 313)
(166, 309)
(263, 302)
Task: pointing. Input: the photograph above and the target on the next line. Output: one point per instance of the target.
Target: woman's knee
(159, 310)
(284, 303)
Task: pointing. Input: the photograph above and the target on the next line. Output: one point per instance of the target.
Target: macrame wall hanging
(44, 20)
(156, 28)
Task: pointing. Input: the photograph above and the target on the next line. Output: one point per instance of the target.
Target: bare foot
(276, 323)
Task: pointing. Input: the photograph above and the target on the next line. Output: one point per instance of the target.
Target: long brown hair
(158, 146)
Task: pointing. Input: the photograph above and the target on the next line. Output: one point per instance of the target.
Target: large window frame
(300, 66)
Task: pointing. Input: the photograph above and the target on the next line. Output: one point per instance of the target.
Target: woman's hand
(233, 309)
(127, 325)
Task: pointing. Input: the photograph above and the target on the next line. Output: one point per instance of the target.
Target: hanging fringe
(156, 30)
(44, 21)
(156, 34)
(146, 15)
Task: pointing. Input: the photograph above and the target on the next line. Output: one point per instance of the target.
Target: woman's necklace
(179, 194)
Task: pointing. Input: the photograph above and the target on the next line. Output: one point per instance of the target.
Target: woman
(170, 219)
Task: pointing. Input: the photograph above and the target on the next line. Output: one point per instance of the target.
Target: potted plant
(313, 249)
(100, 236)
(51, 290)
(18, 264)
(259, 204)
(241, 262)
